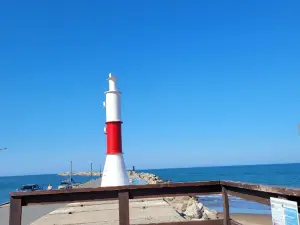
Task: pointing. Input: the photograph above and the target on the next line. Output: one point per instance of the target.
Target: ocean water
(286, 175)
(10, 184)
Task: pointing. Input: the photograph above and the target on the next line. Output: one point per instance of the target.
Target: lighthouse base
(114, 173)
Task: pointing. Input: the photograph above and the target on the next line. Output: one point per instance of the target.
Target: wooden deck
(251, 192)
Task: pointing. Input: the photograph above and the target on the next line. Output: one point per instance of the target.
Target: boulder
(169, 199)
(210, 214)
(184, 206)
(193, 211)
(201, 206)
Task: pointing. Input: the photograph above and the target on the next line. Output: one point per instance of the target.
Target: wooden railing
(251, 192)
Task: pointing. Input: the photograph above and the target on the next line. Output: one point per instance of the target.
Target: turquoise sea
(279, 175)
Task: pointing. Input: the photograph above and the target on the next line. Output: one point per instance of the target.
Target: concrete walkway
(107, 213)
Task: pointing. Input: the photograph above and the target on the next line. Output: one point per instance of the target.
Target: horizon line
(140, 170)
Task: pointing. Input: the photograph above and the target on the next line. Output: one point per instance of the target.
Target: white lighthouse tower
(114, 173)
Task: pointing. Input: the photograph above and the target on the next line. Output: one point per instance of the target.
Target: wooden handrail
(111, 193)
(260, 193)
(252, 192)
(263, 188)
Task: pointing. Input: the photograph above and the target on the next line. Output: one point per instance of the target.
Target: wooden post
(226, 212)
(123, 208)
(15, 211)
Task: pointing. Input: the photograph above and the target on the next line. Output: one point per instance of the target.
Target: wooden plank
(111, 193)
(280, 191)
(15, 212)
(226, 220)
(67, 197)
(119, 188)
(260, 197)
(124, 208)
(174, 191)
(191, 222)
(249, 197)
(260, 193)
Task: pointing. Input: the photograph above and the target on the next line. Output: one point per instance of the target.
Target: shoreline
(4, 203)
(253, 219)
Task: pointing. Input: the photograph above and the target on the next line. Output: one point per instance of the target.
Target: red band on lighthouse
(114, 137)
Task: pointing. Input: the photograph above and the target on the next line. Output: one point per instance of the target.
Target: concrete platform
(142, 211)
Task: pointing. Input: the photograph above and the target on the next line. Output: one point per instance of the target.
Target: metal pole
(71, 170)
(91, 169)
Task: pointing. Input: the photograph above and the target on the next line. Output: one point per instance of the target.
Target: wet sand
(252, 219)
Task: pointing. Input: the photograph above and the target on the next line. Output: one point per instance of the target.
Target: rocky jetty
(80, 174)
(66, 174)
(187, 206)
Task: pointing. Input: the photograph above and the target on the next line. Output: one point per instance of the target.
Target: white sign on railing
(284, 212)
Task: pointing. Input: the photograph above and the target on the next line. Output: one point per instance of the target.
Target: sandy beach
(252, 219)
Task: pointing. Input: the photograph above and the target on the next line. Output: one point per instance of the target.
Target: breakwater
(95, 174)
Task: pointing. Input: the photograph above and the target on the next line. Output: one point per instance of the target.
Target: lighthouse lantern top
(112, 82)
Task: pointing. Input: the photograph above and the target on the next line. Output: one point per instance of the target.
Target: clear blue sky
(203, 82)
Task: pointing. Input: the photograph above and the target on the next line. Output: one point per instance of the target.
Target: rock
(182, 199)
(201, 206)
(169, 199)
(210, 214)
(184, 206)
(193, 211)
(160, 181)
(181, 203)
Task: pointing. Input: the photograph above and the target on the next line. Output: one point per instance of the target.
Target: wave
(218, 196)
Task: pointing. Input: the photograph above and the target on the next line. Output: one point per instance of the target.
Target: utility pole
(71, 170)
(91, 169)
